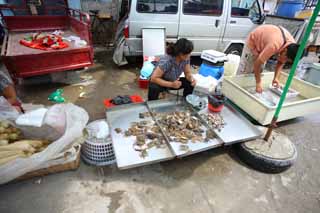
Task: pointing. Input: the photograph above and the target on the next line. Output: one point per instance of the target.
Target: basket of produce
(12, 145)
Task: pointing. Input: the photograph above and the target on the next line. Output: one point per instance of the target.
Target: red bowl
(215, 109)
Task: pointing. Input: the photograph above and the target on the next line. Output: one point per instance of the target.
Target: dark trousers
(155, 89)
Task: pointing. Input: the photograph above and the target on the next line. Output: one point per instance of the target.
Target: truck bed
(23, 62)
(14, 48)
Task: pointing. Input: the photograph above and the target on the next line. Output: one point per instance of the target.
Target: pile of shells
(183, 127)
(214, 120)
(147, 135)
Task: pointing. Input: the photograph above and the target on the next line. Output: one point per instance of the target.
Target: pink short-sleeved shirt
(267, 40)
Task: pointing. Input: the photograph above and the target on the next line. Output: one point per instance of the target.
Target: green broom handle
(292, 71)
(297, 58)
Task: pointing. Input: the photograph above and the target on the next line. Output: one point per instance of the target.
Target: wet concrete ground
(211, 181)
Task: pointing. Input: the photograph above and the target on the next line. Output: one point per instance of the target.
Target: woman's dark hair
(182, 46)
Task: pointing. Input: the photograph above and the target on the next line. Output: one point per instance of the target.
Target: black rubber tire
(263, 163)
(235, 49)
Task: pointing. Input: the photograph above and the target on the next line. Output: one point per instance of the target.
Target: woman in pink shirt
(262, 43)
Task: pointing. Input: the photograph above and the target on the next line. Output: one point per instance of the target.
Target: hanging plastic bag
(7, 112)
(68, 119)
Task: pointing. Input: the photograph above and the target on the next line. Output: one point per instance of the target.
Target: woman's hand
(176, 84)
(193, 82)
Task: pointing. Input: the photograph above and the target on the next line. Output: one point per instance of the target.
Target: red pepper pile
(44, 41)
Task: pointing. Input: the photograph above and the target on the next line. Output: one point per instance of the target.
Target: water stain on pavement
(115, 198)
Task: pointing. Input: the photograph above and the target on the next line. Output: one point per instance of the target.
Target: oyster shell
(118, 130)
(182, 126)
(214, 120)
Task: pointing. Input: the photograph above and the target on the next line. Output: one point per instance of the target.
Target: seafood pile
(184, 127)
(147, 135)
(181, 127)
(214, 120)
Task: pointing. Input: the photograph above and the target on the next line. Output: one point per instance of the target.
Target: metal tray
(127, 157)
(237, 128)
(172, 106)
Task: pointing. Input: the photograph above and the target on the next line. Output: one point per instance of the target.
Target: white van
(222, 25)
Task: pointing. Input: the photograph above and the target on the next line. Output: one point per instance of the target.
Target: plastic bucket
(288, 8)
(143, 83)
(215, 109)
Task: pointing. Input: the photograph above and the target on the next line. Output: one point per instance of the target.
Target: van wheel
(235, 49)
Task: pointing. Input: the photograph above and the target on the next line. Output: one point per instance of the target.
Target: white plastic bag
(205, 85)
(7, 112)
(32, 118)
(66, 118)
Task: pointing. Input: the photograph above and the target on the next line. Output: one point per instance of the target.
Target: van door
(154, 14)
(201, 21)
(243, 17)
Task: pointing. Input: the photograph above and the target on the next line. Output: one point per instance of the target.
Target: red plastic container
(143, 84)
(134, 99)
(215, 109)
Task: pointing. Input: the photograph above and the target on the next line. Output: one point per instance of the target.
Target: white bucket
(231, 66)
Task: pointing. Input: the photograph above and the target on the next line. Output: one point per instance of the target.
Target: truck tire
(262, 162)
(235, 49)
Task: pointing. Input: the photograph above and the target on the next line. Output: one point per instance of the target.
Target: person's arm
(7, 88)
(257, 73)
(267, 52)
(277, 72)
(188, 74)
(10, 94)
(156, 78)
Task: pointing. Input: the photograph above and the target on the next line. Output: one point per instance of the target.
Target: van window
(246, 9)
(157, 6)
(203, 7)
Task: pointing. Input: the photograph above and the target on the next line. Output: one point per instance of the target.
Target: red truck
(22, 61)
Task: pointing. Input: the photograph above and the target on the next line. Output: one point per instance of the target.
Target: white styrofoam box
(214, 56)
(234, 89)
(151, 48)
